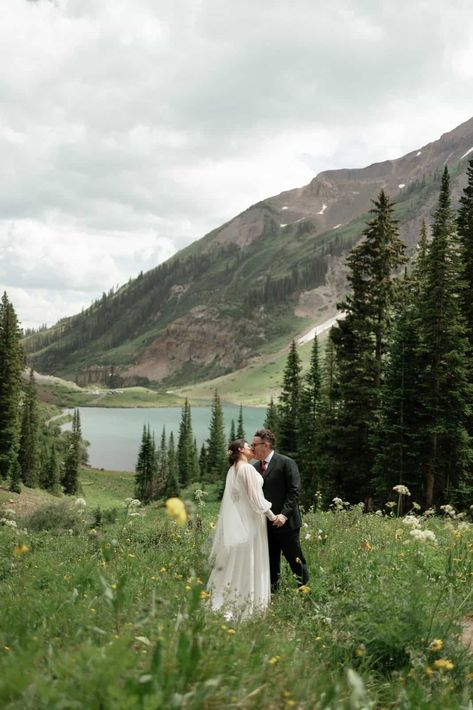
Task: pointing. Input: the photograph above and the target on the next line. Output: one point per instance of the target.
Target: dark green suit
(281, 486)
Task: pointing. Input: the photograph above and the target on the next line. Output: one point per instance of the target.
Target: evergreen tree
(360, 343)
(240, 432)
(444, 348)
(72, 460)
(465, 233)
(15, 478)
(11, 367)
(29, 451)
(232, 435)
(203, 458)
(289, 404)
(162, 469)
(309, 425)
(195, 461)
(50, 473)
(172, 483)
(145, 470)
(271, 418)
(216, 443)
(185, 448)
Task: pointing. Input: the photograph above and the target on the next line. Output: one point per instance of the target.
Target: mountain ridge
(268, 274)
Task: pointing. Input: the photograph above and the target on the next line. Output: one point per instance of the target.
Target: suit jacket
(281, 486)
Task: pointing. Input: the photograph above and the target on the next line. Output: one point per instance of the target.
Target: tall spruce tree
(185, 448)
(162, 469)
(240, 431)
(50, 471)
(11, 367)
(360, 343)
(216, 443)
(289, 404)
(145, 470)
(29, 450)
(465, 234)
(271, 417)
(72, 459)
(309, 427)
(232, 436)
(444, 348)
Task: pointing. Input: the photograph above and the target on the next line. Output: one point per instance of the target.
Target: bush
(65, 515)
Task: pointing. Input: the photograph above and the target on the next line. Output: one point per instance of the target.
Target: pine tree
(162, 469)
(50, 472)
(216, 443)
(444, 348)
(15, 478)
(289, 404)
(185, 448)
(240, 432)
(172, 484)
(465, 234)
(271, 417)
(29, 451)
(11, 367)
(145, 470)
(203, 461)
(309, 427)
(72, 459)
(360, 343)
(232, 436)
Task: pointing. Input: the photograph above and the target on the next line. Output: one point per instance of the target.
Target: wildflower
(304, 589)
(415, 506)
(307, 536)
(10, 512)
(21, 550)
(93, 532)
(80, 503)
(429, 671)
(360, 651)
(228, 616)
(8, 523)
(411, 520)
(175, 509)
(423, 535)
(448, 510)
(402, 490)
(365, 545)
(390, 504)
(163, 569)
(212, 525)
(204, 594)
(436, 645)
(231, 632)
(130, 554)
(443, 664)
(274, 659)
(379, 513)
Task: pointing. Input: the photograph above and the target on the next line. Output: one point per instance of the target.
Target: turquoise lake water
(115, 434)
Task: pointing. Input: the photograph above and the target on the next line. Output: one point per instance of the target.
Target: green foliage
(146, 467)
(216, 458)
(123, 614)
(60, 517)
(29, 450)
(289, 405)
(72, 458)
(11, 366)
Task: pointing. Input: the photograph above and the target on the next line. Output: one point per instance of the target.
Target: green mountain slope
(249, 286)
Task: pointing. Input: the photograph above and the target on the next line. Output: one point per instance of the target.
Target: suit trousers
(286, 541)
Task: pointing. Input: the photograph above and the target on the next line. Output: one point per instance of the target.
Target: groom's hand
(279, 520)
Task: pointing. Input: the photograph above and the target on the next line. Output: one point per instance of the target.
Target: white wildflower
(448, 510)
(390, 504)
(411, 520)
(379, 513)
(307, 536)
(8, 523)
(134, 503)
(80, 503)
(423, 535)
(415, 505)
(402, 490)
(9, 512)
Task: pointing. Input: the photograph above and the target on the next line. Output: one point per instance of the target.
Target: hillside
(247, 287)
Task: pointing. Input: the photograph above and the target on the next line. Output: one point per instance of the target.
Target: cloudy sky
(129, 128)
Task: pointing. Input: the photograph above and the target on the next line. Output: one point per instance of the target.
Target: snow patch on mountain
(324, 207)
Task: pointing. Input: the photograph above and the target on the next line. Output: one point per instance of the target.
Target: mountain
(245, 288)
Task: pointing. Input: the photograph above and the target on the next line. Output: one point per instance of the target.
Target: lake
(115, 434)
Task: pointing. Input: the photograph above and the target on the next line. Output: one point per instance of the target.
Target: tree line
(33, 450)
(392, 401)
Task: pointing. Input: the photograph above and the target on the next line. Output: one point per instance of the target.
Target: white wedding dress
(239, 583)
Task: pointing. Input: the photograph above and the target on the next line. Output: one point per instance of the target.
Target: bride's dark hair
(234, 450)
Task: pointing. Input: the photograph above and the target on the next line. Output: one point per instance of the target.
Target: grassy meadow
(104, 606)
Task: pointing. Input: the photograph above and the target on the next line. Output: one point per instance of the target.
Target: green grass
(62, 393)
(106, 488)
(116, 616)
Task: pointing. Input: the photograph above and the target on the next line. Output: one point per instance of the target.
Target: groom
(281, 487)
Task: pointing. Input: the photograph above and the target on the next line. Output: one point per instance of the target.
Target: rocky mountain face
(266, 275)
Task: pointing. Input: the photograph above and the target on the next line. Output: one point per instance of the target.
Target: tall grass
(117, 617)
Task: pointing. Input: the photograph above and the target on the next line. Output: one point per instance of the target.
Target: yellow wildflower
(21, 550)
(429, 671)
(130, 554)
(163, 569)
(365, 545)
(274, 659)
(175, 508)
(204, 594)
(360, 652)
(443, 664)
(436, 645)
(231, 632)
(304, 589)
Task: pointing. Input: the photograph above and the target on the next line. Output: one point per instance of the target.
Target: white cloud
(130, 129)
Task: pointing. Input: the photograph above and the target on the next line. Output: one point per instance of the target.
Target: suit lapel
(270, 466)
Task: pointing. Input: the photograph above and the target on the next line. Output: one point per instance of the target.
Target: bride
(239, 583)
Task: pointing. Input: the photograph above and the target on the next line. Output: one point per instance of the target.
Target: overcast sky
(129, 128)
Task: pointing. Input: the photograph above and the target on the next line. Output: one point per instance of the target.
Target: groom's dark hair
(266, 435)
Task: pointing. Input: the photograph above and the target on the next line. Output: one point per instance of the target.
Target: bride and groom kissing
(259, 519)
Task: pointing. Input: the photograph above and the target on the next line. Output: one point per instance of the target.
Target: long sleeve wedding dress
(239, 583)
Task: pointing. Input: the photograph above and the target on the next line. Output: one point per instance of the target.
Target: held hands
(279, 520)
